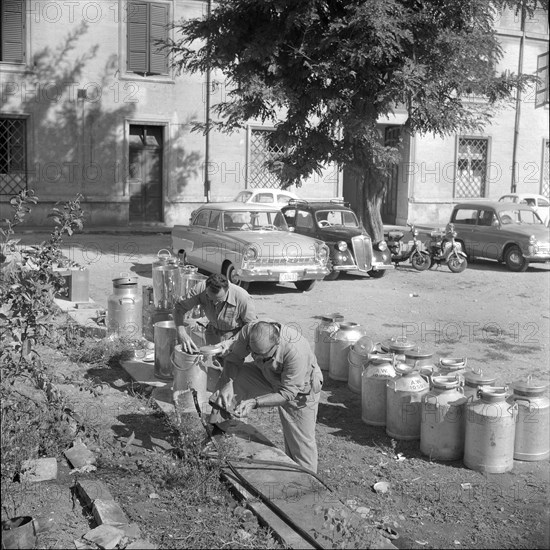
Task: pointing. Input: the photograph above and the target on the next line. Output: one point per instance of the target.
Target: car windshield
(519, 217)
(253, 220)
(342, 218)
(243, 196)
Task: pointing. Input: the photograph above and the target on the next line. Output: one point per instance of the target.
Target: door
(389, 202)
(145, 173)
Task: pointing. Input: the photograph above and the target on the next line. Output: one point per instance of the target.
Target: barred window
(471, 168)
(259, 174)
(545, 177)
(13, 156)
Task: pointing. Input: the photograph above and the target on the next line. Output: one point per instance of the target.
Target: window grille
(259, 174)
(471, 169)
(545, 180)
(13, 156)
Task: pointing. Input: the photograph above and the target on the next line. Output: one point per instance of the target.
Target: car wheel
(231, 275)
(420, 261)
(305, 286)
(376, 273)
(514, 260)
(456, 264)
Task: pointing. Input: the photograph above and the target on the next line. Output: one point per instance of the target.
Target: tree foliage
(324, 71)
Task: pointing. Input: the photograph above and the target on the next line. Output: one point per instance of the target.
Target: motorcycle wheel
(456, 265)
(420, 261)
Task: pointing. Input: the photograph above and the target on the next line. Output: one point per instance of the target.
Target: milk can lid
(363, 346)
(125, 280)
(211, 350)
(529, 386)
(419, 352)
(401, 343)
(332, 317)
(445, 382)
(477, 378)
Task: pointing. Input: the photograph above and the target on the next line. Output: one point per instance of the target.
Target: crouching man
(285, 374)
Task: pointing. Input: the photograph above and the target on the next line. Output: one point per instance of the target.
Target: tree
(324, 71)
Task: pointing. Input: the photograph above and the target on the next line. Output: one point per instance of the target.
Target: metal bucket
(189, 373)
(165, 341)
(18, 533)
(490, 432)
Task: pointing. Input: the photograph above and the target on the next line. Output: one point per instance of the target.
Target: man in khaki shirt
(226, 306)
(284, 374)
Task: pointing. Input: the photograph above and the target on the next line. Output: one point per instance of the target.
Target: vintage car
(540, 204)
(264, 195)
(350, 246)
(503, 231)
(249, 243)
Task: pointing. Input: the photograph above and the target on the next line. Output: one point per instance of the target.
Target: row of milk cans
(456, 413)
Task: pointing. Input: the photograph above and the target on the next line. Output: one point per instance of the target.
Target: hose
(250, 488)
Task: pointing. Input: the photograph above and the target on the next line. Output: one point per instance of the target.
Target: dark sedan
(350, 246)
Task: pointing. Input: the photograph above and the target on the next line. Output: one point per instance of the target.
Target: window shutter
(158, 58)
(12, 31)
(138, 37)
(541, 98)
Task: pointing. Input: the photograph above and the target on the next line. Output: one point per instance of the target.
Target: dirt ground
(498, 320)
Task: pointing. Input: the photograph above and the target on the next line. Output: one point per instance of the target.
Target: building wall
(429, 180)
(79, 101)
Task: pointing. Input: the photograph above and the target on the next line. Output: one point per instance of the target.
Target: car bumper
(537, 258)
(279, 273)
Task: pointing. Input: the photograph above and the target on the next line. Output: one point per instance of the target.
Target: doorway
(145, 173)
(389, 202)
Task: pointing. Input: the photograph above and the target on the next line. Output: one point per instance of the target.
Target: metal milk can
(420, 358)
(373, 389)
(532, 441)
(340, 341)
(404, 402)
(475, 378)
(490, 431)
(443, 418)
(329, 324)
(124, 308)
(358, 356)
(165, 280)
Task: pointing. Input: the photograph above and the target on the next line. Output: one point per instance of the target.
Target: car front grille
(307, 260)
(362, 250)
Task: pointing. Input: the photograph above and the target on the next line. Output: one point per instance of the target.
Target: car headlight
(322, 253)
(250, 254)
(382, 245)
(342, 246)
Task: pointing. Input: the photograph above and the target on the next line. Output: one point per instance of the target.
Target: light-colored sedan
(540, 204)
(261, 195)
(502, 231)
(249, 243)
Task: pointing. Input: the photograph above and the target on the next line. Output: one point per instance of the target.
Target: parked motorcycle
(445, 249)
(403, 251)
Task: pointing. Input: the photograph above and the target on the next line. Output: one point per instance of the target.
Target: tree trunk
(371, 192)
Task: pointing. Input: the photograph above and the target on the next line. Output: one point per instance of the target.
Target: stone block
(90, 490)
(39, 469)
(105, 536)
(108, 512)
(141, 545)
(79, 455)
